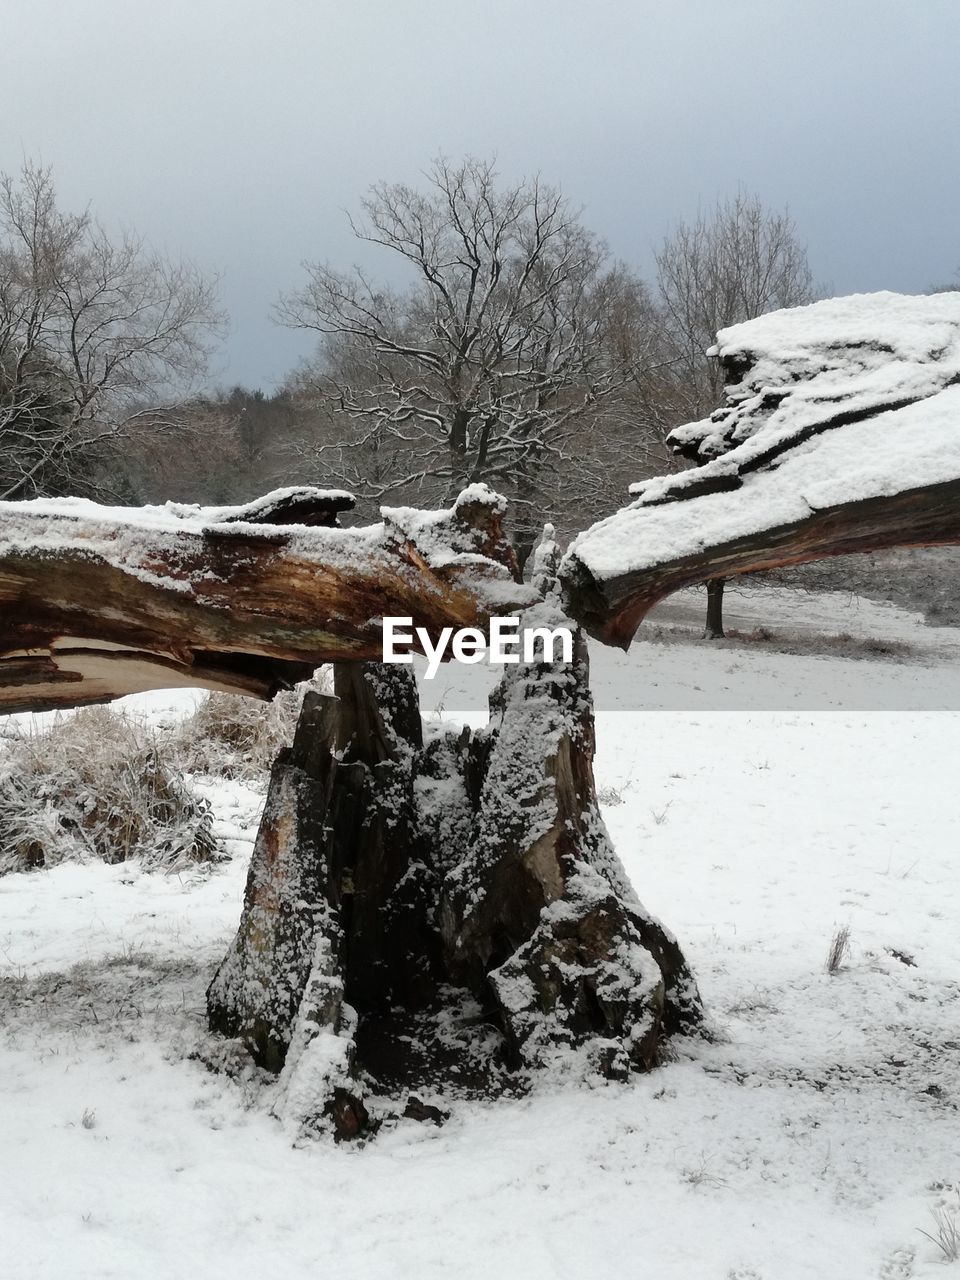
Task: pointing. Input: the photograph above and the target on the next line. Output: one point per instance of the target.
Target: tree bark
(713, 628)
(100, 602)
(442, 912)
(611, 607)
(837, 435)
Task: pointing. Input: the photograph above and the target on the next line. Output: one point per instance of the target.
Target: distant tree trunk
(457, 445)
(442, 911)
(524, 541)
(713, 629)
(528, 520)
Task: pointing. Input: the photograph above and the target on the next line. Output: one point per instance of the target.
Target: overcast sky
(236, 132)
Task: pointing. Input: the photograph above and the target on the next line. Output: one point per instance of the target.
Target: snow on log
(97, 602)
(840, 433)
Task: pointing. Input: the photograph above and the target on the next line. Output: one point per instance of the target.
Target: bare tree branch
(488, 366)
(92, 329)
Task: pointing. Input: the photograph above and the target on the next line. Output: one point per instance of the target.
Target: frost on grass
(237, 737)
(98, 785)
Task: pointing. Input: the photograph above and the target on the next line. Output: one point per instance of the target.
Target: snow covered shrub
(239, 737)
(97, 785)
(236, 737)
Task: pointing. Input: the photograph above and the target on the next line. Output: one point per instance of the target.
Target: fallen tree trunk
(611, 605)
(442, 911)
(100, 602)
(840, 434)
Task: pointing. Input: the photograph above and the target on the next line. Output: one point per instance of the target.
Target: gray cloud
(237, 133)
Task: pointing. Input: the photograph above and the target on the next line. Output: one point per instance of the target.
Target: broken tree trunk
(98, 602)
(840, 434)
(539, 910)
(441, 910)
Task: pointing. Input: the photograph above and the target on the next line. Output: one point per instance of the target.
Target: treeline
(518, 353)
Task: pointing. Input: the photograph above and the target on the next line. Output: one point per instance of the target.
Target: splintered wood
(98, 602)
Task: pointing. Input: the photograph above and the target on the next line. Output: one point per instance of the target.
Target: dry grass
(237, 737)
(839, 949)
(701, 1175)
(946, 1220)
(98, 785)
(841, 645)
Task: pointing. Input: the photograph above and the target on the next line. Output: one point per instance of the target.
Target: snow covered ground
(753, 676)
(814, 1137)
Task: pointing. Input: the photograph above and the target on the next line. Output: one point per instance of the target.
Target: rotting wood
(100, 602)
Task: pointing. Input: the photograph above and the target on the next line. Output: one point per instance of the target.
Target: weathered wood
(293, 891)
(99, 602)
(442, 911)
(336, 926)
(840, 433)
(612, 608)
(338, 945)
(539, 911)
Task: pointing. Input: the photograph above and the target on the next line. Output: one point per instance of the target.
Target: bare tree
(485, 367)
(98, 338)
(640, 417)
(735, 264)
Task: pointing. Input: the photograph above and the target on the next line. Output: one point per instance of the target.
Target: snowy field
(815, 1136)
(746, 675)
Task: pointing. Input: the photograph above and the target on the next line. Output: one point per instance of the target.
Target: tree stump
(441, 910)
